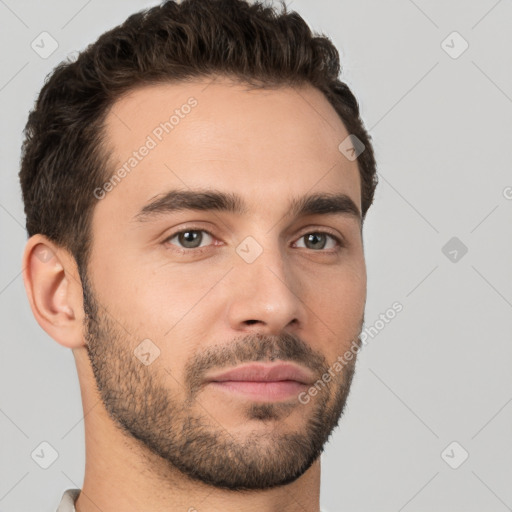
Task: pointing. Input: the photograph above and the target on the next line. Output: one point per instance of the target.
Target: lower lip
(268, 391)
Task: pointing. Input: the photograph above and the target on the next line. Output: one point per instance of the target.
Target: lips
(259, 372)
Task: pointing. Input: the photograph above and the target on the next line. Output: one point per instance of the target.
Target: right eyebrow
(180, 200)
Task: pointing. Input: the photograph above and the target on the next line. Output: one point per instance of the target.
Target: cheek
(146, 299)
(173, 310)
(342, 305)
(337, 302)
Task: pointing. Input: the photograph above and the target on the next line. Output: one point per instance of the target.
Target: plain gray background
(438, 373)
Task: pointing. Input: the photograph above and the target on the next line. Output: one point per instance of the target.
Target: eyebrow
(216, 200)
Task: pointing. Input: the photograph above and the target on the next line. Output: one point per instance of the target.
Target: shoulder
(67, 502)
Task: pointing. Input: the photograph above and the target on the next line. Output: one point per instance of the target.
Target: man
(195, 186)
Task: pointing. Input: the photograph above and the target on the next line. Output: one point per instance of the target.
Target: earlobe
(54, 290)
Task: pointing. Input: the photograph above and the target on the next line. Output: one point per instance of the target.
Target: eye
(189, 238)
(189, 241)
(317, 240)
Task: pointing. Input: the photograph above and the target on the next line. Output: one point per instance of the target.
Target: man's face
(167, 311)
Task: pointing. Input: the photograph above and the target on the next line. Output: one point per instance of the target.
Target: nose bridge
(265, 288)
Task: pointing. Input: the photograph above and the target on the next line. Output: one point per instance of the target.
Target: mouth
(266, 382)
(268, 391)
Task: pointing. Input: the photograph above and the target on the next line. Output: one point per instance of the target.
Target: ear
(54, 290)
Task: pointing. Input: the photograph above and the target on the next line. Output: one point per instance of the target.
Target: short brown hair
(64, 155)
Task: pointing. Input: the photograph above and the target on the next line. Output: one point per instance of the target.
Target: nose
(265, 295)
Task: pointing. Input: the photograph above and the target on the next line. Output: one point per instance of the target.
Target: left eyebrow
(216, 200)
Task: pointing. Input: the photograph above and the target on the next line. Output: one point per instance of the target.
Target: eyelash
(200, 250)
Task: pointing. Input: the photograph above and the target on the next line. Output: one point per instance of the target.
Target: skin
(157, 437)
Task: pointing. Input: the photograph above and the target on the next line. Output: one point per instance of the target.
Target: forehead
(262, 143)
